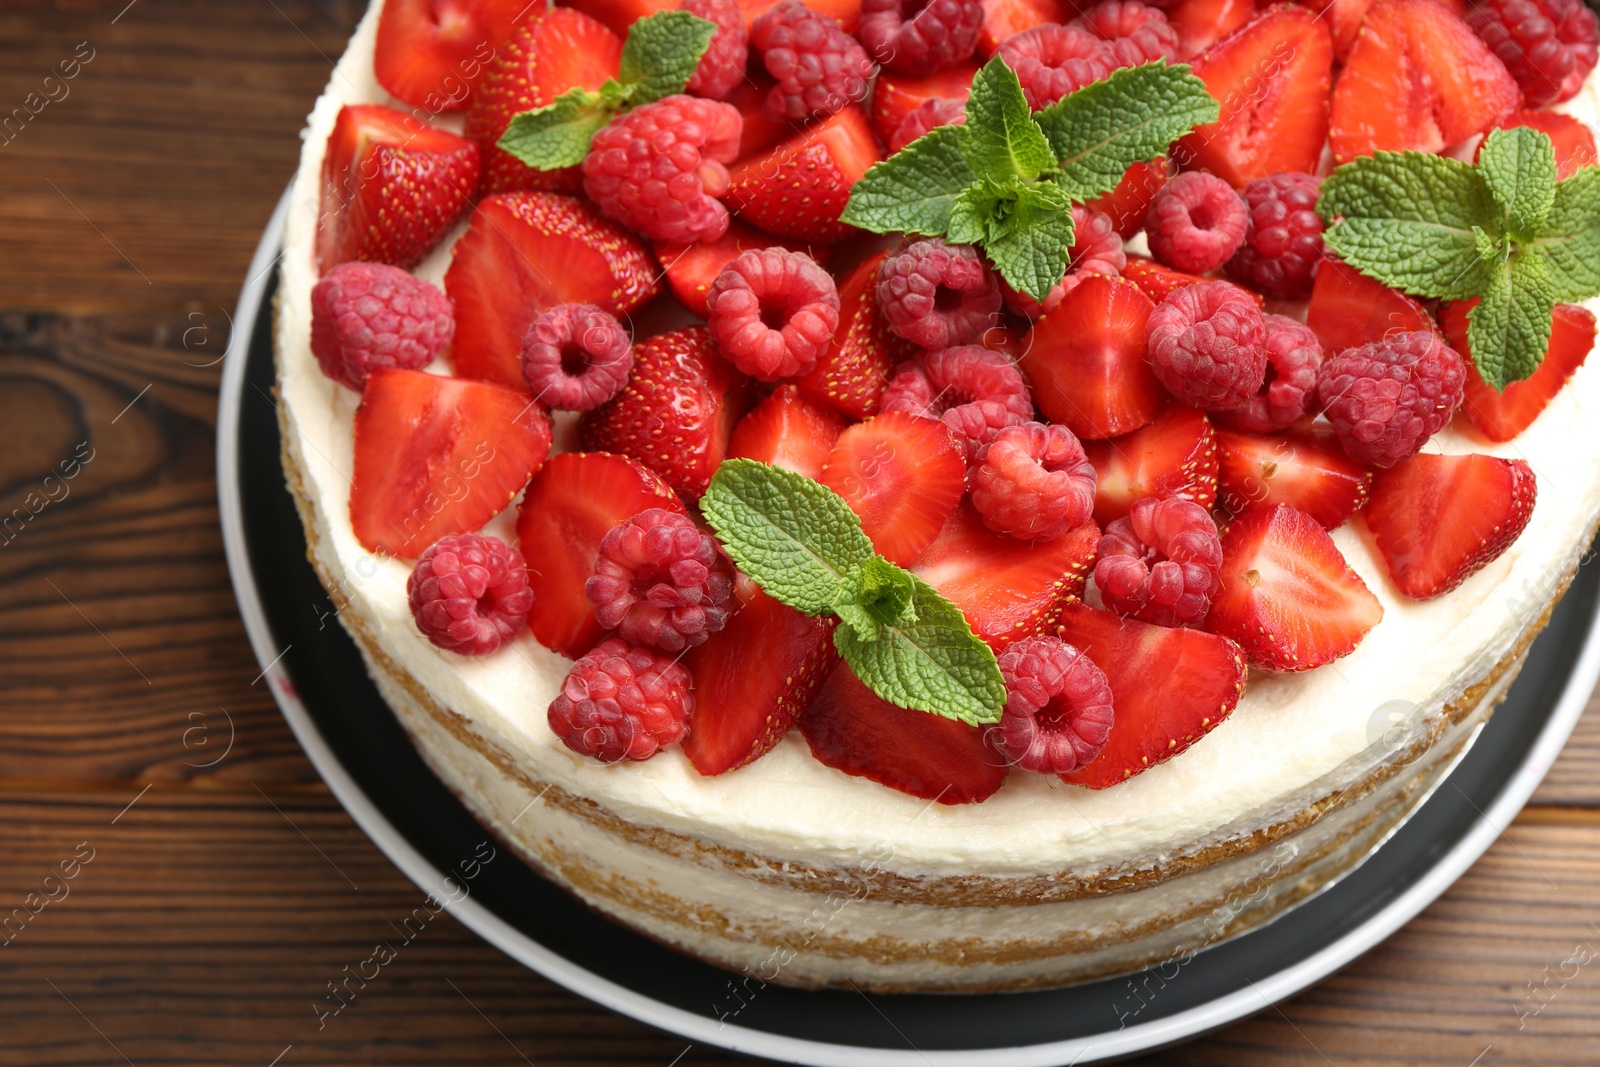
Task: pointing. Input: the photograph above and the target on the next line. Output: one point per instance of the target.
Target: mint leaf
(1003, 141)
(1509, 331)
(1519, 166)
(882, 590)
(661, 54)
(558, 134)
(914, 189)
(1134, 115)
(1569, 238)
(1031, 243)
(933, 664)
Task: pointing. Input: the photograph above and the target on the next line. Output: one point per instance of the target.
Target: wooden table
(193, 900)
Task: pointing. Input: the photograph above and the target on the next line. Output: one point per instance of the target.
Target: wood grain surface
(185, 909)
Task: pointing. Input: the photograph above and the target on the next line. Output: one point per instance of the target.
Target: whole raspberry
(1387, 398)
(1138, 33)
(1548, 45)
(1058, 710)
(722, 67)
(469, 593)
(1162, 562)
(1289, 392)
(931, 113)
(1196, 222)
(1208, 345)
(623, 702)
(820, 68)
(575, 357)
(370, 315)
(1282, 237)
(772, 313)
(975, 391)
(660, 580)
(1096, 249)
(1033, 482)
(937, 295)
(659, 169)
(920, 36)
(1054, 60)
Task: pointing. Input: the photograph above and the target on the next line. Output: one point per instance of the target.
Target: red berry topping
(820, 68)
(920, 36)
(722, 67)
(1160, 563)
(902, 476)
(1058, 706)
(659, 168)
(1196, 222)
(367, 315)
(575, 357)
(773, 312)
(977, 392)
(1138, 33)
(1033, 482)
(1548, 45)
(1096, 249)
(623, 702)
(1207, 345)
(660, 581)
(852, 375)
(1052, 61)
(931, 113)
(1290, 391)
(1387, 398)
(1283, 237)
(937, 295)
(469, 593)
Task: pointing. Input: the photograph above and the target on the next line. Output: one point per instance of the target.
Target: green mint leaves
(1007, 179)
(1503, 230)
(801, 543)
(658, 59)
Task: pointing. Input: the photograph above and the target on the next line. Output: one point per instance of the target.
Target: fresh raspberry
(975, 391)
(621, 702)
(1053, 60)
(1548, 45)
(722, 67)
(1387, 398)
(575, 357)
(659, 580)
(1162, 562)
(1282, 237)
(1196, 222)
(772, 313)
(1033, 482)
(1289, 392)
(1138, 33)
(931, 113)
(659, 169)
(469, 593)
(1207, 345)
(1096, 249)
(1058, 706)
(820, 68)
(937, 295)
(370, 315)
(920, 36)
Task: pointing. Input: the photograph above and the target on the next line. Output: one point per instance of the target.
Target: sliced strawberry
(1129, 203)
(853, 374)
(848, 12)
(787, 430)
(618, 15)
(436, 456)
(569, 506)
(391, 187)
(1573, 141)
(556, 49)
(1416, 78)
(902, 475)
(1287, 595)
(760, 130)
(691, 269)
(525, 252)
(1202, 23)
(800, 188)
(852, 729)
(1086, 359)
(1437, 520)
(430, 53)
(1349, 309)
(1500, 416)
(1003, 18)
(1307, 469)
(1170, 686)
(1007, 589)
(1176, 455)
(1157, 280)
(895, 95)
(753, 678)
(677, 411)
(1271, 78)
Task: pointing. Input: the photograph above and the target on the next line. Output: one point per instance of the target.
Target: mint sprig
(801, 543)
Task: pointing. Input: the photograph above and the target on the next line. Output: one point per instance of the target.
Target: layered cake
(836, 513)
